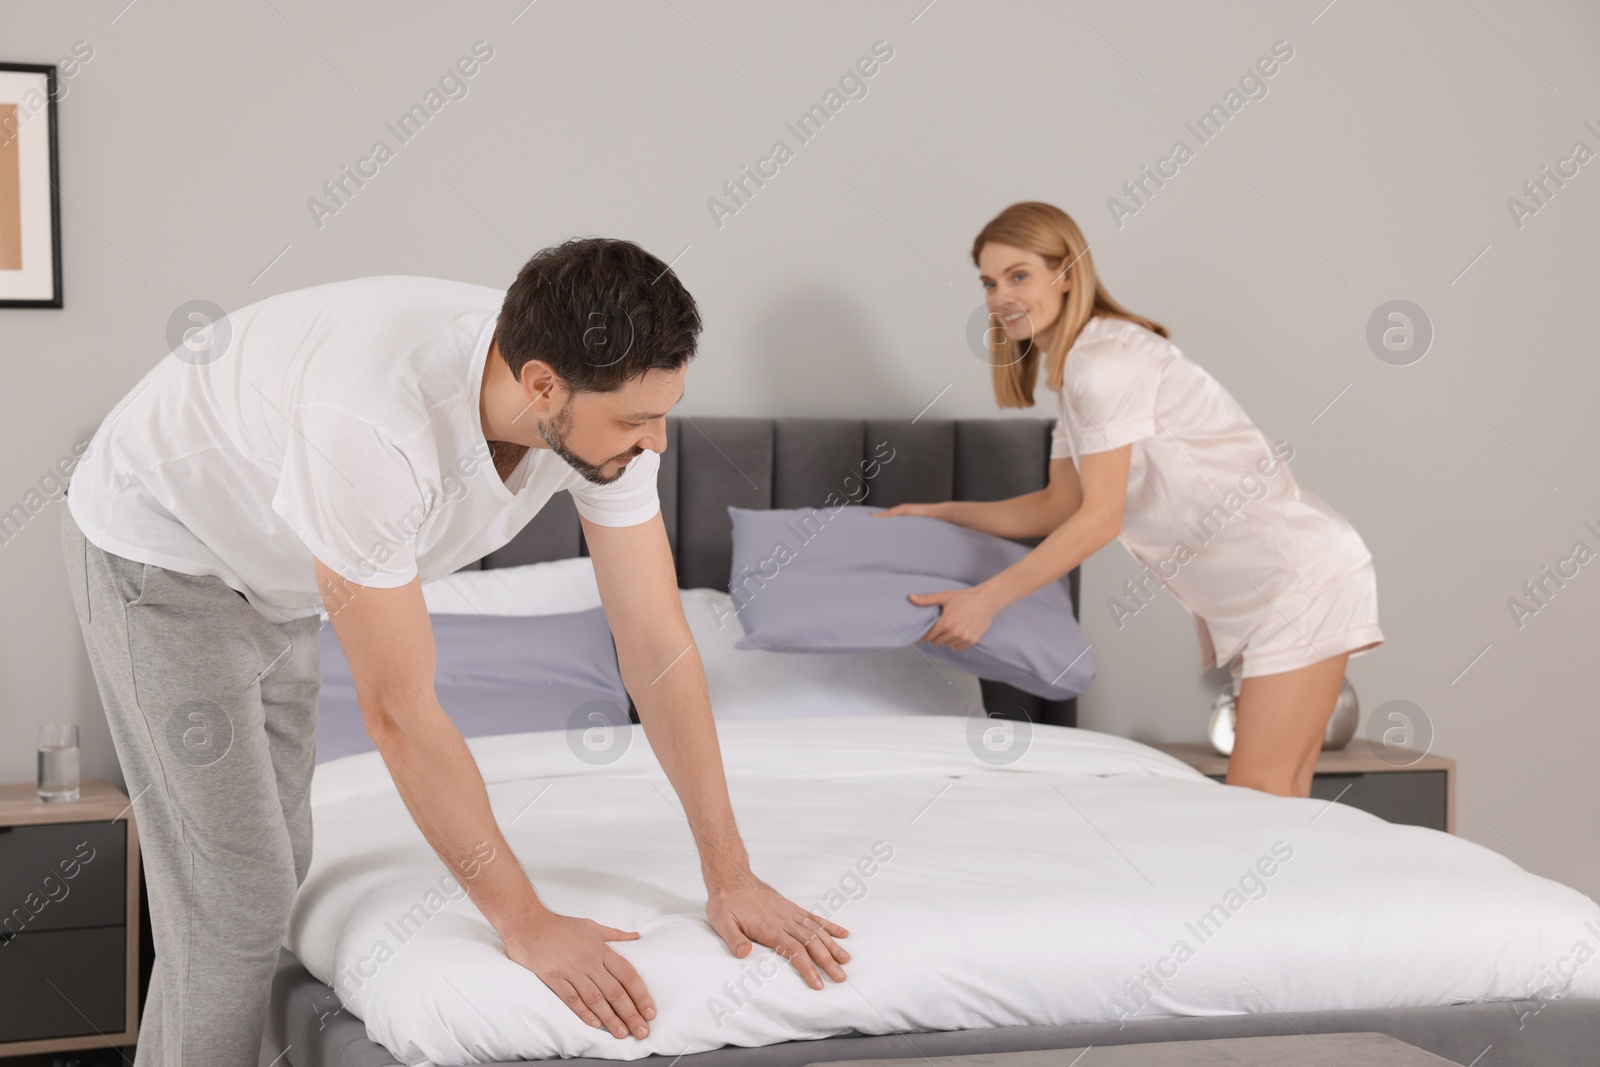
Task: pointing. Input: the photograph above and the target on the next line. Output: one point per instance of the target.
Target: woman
(1151, 450)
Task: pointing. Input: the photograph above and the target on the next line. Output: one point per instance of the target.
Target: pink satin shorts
(1340, 618)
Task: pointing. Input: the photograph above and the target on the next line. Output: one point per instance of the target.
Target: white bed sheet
(1053, 890)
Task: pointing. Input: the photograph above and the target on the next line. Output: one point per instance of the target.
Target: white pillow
(747, 683)
(555, 588)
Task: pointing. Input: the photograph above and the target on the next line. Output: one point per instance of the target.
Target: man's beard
(555, 434)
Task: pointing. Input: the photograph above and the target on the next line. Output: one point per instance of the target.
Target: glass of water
(58, 762)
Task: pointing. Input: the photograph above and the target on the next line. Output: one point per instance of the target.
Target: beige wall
(1378, 166)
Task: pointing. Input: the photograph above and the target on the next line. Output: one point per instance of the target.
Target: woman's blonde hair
(1050, 232)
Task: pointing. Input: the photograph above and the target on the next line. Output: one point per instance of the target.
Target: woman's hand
(964, 617)
(927, 511)
(747, 909)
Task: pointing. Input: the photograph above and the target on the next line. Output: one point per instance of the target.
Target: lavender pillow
(836, 579)
(497, 674)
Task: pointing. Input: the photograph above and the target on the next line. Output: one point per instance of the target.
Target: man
(295, 457)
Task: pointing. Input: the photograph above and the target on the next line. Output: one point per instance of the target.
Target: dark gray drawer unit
(1397, 785)
(63, 983)
(73, 872)
(64, 939)
(1415, 798)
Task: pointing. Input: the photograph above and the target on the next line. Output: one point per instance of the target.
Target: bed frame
(711, 463)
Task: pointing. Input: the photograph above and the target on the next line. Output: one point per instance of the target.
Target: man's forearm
(675, 710)
(441, 785)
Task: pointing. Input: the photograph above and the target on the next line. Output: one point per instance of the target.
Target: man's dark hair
(600, 311)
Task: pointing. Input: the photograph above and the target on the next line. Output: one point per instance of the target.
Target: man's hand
(747, 909)
(571, 956)
(662, 670)
(964, 616)
(388, 638)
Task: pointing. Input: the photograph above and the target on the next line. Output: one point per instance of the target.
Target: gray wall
(1377, 166)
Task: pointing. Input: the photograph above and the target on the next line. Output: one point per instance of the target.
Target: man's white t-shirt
(342, 421)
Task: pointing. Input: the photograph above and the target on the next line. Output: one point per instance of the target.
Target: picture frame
(30, 191)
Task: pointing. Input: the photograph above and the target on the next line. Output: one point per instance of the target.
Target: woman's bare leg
(1280, 720)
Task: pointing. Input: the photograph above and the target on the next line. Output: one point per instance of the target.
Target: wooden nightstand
(69, 921)
(1420, 793)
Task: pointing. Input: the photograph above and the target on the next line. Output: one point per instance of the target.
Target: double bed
(1084, 890)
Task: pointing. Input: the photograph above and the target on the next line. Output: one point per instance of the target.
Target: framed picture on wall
(30, 195)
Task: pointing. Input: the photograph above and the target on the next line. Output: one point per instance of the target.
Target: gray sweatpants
(213, 711)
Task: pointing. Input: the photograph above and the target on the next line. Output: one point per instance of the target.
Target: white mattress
(1033, 893)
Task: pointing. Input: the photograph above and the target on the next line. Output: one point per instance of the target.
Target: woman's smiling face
(1021, 289)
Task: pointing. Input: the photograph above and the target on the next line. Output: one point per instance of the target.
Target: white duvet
(1094, 878)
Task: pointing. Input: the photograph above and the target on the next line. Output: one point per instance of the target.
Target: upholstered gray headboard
(714, 462)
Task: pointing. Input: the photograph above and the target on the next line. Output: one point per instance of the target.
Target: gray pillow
(497, 674)
(836, 579)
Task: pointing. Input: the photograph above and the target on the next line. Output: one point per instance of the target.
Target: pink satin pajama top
(1212, 508)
